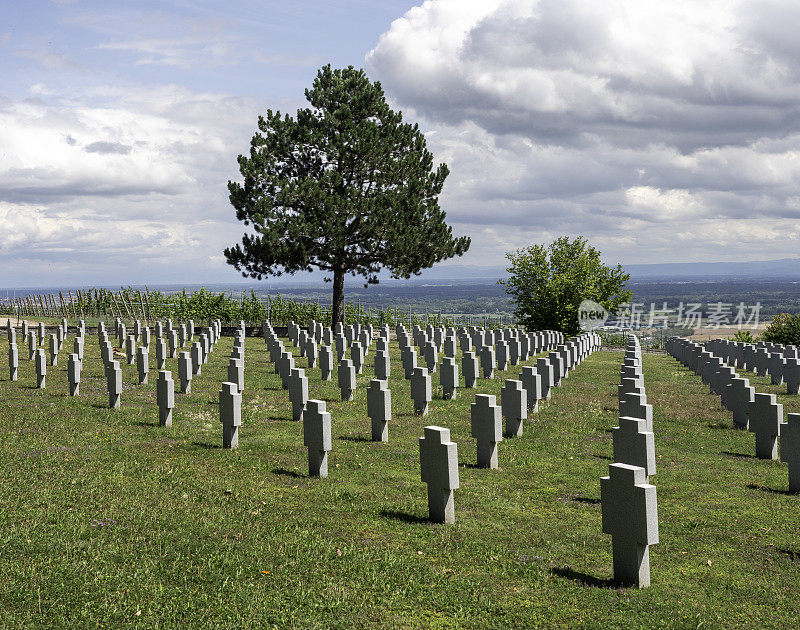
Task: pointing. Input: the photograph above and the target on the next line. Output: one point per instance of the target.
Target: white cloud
(637, 124)
(130, 187)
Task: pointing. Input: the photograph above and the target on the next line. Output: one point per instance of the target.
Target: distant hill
(785, 268)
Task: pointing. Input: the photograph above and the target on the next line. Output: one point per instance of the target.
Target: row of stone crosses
(496, 350)
(629, 512)
(716, 362)
(628, 500)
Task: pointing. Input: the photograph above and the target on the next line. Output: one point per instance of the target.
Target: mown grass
(110, 520)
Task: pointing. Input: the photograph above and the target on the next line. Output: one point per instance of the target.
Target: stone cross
(341, 344)
(408, 357)
(197, 356)
(74, 365)
(379, 409)
(765, 416)
(487, 428)
(130, 349)
(449, 347)
(469, 365)
(31, 344)
(739, 397)
(431, 356)
(77, 346)
(635, 406)
(438, 458)
(790, 449)
(311, 352)
(205, 346)
(347, 379)
(53, 350)
(421, 390)
(13, 362)
(230, 414)
(325, 362)
(185, 371)
(142, 364)
(449, 378)
(165, 395)
(298, 392)
(41, 330)
(487, 361)
(113, 383)
(317, 437)
(514, 351)
(545, 371)
(791, 374)
(501, 352)
(173, 343)
(382, 365)
(236, 373)
(161, 354)
(775, 363)
(41, 368)
(357, 356)
(532, 383)
(630, 515)
(285, 367)
(514, 405)
(633, 444)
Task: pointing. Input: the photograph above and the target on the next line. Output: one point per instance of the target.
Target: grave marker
(41, 368)
(165, 396)
(230, 414)
(298, 392)
(438, 458)
(487, 428)
(347, 379)
(421, 390)
(790, 449)
(630, 516)
(765, 416)
(142, 364)
(514, 406)
(317, 437)
(379, 409)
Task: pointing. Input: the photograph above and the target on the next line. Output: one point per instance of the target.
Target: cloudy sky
(662, 131)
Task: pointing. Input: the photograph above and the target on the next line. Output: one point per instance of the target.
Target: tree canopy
(548, 284)
(345, 186)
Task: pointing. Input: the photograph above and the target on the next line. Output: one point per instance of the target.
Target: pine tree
(346, 186)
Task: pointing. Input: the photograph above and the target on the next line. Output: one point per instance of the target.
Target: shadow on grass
(733, 454)
(405, 517)
(587, 500)
(288, 473)
(206, 445)
(583, 578)
(280, 418)
(794, 556)
(753, 486)
(718, 425)
(606, 457)
(354, 438)
(471, 465)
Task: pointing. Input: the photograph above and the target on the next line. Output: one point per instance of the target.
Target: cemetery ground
(109, 519)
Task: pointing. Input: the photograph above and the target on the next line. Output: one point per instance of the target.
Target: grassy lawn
(110, 520)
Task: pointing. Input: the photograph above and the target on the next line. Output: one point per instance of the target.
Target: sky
(661, 131)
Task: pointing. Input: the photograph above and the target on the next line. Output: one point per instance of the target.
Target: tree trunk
(337, 307)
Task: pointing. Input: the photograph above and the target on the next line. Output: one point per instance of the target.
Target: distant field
(110, 520)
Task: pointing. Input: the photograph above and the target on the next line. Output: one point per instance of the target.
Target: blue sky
(663, 132)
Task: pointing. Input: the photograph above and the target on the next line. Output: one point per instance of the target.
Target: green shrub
(784, 328)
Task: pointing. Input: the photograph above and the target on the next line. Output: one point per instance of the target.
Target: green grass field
(109, 520)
